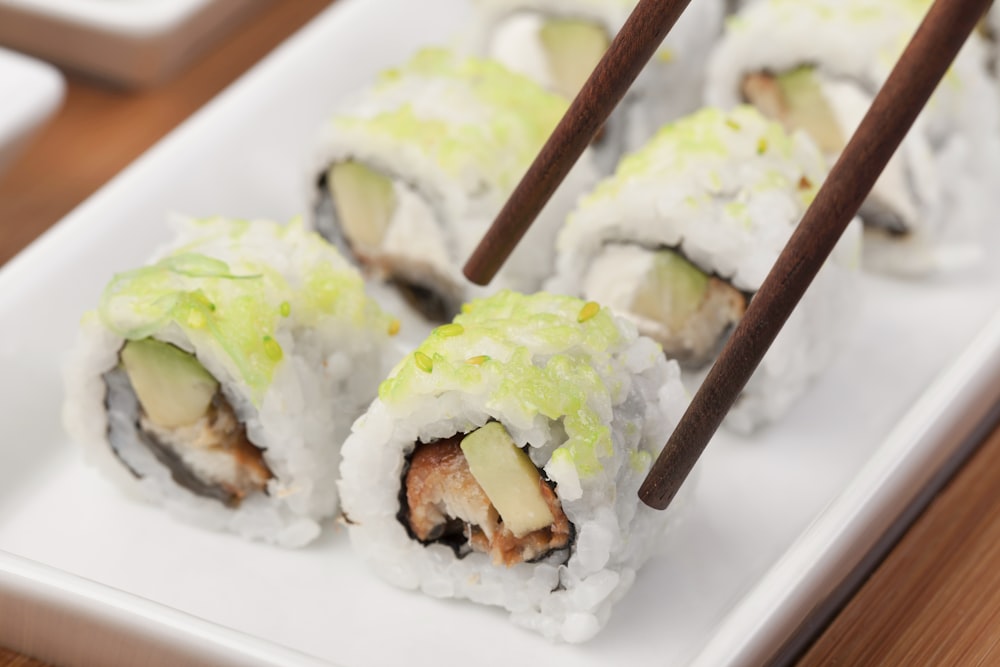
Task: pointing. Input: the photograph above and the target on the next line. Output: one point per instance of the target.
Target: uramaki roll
(816, 65)
(683, 235)
(412, 171)
(502, 459)
(221, 379)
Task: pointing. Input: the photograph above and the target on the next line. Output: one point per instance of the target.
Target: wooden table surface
(934, 600)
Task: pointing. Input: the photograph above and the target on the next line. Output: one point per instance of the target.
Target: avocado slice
(795, 99)
(509, 478)
(573, 48)
(364, 201)
(173, 388)
(672, 292)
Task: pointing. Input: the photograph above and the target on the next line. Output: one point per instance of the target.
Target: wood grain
(100, 129)
(935, 600)
(10, 659)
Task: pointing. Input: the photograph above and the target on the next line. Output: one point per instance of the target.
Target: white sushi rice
(638, 396)
(331, 364)
(947, 161)
(725, 191)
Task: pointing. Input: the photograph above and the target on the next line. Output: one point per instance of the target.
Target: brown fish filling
(168, 403)
(445, 503)
(216, 450)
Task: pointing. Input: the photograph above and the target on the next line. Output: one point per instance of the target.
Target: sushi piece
(558, 43)
(684, 233)
(502, 459)
(221, 379)
(412, 172)
(816, 65)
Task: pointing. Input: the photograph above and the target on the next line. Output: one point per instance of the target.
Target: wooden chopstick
(906, 91)
(631, 49)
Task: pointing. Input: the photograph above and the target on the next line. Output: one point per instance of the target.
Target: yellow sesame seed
(394, 327)
(589, 309)
(424, 363)
(732, 123)
(449, 330)
(477, 361)
(285, 309)
(761, 146)
(272, 349)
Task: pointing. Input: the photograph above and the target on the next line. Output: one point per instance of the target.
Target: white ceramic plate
(128, 42)
(30, 92)
(775, 523)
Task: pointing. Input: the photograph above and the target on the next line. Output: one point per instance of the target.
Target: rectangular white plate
(30, 92)
(775, 523)
(128, 42)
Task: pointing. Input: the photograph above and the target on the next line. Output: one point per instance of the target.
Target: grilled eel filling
(211, 456)
(441, 502)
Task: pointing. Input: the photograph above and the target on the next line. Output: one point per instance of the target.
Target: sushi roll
(683, 235)
(502, 459)
(559, 42)
(221, 379)
(411, 173)
(816, 65)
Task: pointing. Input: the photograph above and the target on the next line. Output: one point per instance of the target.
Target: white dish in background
(775, 523)
(30, 92)
(127, 42)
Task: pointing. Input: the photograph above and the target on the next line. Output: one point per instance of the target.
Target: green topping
(496, 124)
(640, 461)
(508, 477)
(235, 306)
(547, 362)
(573, 48)
(702, 141)
(365, 202)
(172, 387)
(672, 292)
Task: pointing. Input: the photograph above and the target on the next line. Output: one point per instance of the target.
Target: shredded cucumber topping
(485, 118)
(239, 303)
(534, 352)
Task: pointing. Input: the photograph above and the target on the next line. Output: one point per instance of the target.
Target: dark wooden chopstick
(922, 65)
(629, 52)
